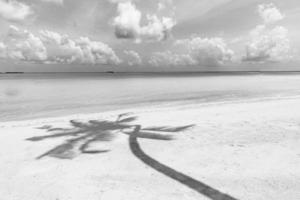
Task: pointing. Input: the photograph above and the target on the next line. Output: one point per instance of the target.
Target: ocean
(30, 96)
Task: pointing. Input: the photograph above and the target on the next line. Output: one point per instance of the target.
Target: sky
(149, 35)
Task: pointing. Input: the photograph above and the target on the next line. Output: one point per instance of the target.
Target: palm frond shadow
(81, 135)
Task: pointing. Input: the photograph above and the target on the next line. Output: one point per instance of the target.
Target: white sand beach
(247, 150)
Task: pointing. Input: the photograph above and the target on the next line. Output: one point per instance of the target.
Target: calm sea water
(27, 96)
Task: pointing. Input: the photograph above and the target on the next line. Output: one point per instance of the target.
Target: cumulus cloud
(268, 42)
(269, 13)
(207, 50)
(133, 58)
(52, 47)
(63, 49)
(128, 24)
(14, 10)
(157, 29)
(2, 50)
(168, 58)
(23, 45)
(196, 51)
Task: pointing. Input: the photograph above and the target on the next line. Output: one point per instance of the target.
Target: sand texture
(236, 150)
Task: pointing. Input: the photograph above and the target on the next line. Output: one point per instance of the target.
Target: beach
(233, 144)
(149, 100)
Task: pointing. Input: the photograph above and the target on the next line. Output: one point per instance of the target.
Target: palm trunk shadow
(178, 176)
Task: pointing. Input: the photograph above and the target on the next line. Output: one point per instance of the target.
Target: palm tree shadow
(190, 182)
(81, 135)
(79, 138)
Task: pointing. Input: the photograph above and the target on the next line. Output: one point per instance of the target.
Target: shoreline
(145, 109)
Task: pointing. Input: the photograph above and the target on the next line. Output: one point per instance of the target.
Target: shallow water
(28, 96)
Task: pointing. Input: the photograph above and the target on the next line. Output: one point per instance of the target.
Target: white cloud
(157, 29)
(23, 45)
(268, 44)
(63, 49)
(128, 24)
(195, 51)
(168, 58)
(51, 47)
(210, 51)
(58, 2)
(2, 50)
(133, 58)
(14, 10)
(269, 13)
(52, 37)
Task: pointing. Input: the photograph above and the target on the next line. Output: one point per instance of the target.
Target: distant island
(13, 72)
